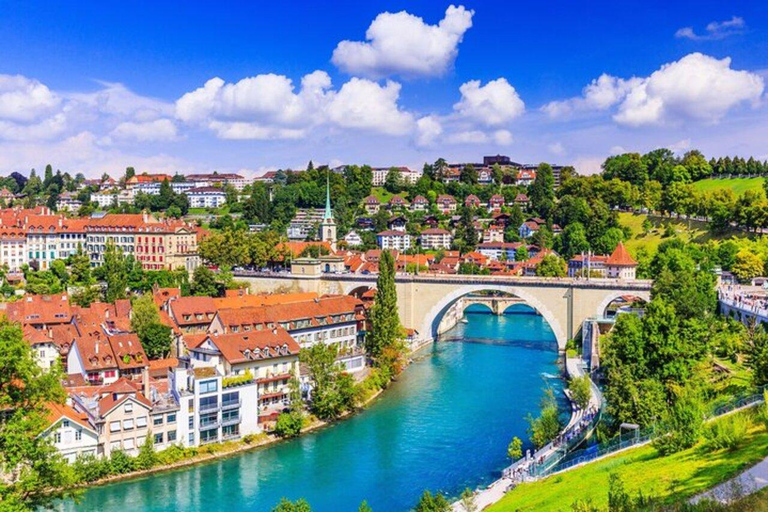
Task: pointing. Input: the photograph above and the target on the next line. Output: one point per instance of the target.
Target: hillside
(738, 185)
(689, 231)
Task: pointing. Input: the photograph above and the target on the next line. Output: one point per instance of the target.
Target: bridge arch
(432, 320)
(615, 295)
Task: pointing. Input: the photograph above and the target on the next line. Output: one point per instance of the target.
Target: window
(171, 436)
(141, 422)
(209, 402)
(114, 426)
(129, 444)
(114, 446)
(57, 437)
(159, 438)
(157, 420)
(207, 436)
(171, 418)
(207, 420)
(232, 415)
(191, 438)
(128, 407)
(208, 386)
(78, 435)
(109, 374)
(230, 398)
(191, 422)
(127, 424)
(65, 423)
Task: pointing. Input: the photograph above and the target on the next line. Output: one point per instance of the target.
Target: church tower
(328, 225)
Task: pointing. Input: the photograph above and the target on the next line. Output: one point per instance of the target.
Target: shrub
(581, 390)
(237, 380)
(547, 426)
(173, 454)
(89, 468)
(289, 424)
(147, 457)
(727, 433)
(120, 463)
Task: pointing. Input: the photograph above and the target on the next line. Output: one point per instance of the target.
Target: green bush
(581, 390)
(727, 433)
(89, 468)
(147, 458)
(289, 424)
(237, 380)
(174, 454)
(121, 463)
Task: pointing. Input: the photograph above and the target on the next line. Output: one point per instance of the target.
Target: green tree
(156, 340)
(432, 503)
(289, 424)
(393, 183)
(747, 265)
(35, 475)
(364, 507)
(581, 390)
(467, 500)
(204, 283)
(286, 505)
(515, 448)
(546, 426)
(385, 319)
(521, 254)
(80, 268)
(144, 312)
(542, 193)
(332, 392)
(114, 272)
(147, 458)
(552, 266)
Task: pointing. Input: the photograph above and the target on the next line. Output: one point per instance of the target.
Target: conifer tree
(385, 320)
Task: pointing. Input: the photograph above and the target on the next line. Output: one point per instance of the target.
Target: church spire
(328, 211)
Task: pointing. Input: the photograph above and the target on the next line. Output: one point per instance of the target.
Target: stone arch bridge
(423, 300)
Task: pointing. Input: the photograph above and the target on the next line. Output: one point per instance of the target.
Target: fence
(641, 437)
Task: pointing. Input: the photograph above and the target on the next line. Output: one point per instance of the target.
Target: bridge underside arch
(621, 297)
(519, 309)
(431, 322)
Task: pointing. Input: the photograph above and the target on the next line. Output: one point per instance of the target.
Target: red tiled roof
(245, 346)
(621, 257)
(316, 311)
(55, 412)
(40, 309)
(191, 307)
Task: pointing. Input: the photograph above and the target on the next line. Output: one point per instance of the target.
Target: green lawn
(738, 185)
(672, 478)
(383, 195)
(691, 231)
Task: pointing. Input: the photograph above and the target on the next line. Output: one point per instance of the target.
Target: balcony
(231, 404)
(204, 408)
(209, 425)
(231, 421)
(273, 378)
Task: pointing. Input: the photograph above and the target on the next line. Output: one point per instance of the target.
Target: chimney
(97, 346)
(145, 378)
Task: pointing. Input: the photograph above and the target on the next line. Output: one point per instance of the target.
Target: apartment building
(13, 248)
(436, 238)
(206, 197)
(397, 240)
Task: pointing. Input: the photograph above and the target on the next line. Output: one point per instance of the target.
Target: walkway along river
(443, 426)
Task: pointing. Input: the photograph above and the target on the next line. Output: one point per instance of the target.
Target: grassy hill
(671, 479)
(738, 185)
(689, 231)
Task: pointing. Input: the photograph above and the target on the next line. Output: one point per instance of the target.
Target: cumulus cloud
(269, 107)
(556, 148)
(157, 130)
(29, 109)
(714, 30)
(468, 137)
(492, 104)
(403, 44)
(697, 87)
(428, 129)
(503, 137)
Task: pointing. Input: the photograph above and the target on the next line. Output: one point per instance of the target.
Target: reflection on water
(443, 426)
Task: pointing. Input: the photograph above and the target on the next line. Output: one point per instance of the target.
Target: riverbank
(408, 438)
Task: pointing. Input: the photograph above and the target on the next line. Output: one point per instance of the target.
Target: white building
(353, 239)
(13, 248)
(397, 240)
(68, 202)
(436, 238)
(407, 175)
(206, 197)
(70, 432)
(111, 198)
(209, 409)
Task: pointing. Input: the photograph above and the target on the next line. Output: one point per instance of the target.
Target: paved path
(751, 480)
(494, 492)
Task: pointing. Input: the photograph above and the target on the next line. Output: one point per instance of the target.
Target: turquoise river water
(444, 425)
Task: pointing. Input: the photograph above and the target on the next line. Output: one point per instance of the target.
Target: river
(444, 425)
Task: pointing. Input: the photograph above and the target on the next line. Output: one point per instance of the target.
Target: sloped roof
(621, 257)
(246, 346)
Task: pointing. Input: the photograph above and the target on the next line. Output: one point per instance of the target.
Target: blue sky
(97, 87)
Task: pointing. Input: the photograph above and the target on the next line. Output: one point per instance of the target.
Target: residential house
(353, 239)
(585, 265)
(397, 223)
(397, 203)
(206, 197)
(499, 250)
(419, 204)
(398, 240)
(522, 201)
(496, 203)
(472, 201)
(193, 315)
(493, 234)
(371, 204)
(526, 177)
(436, 238)
(446, 203)
(70, 432)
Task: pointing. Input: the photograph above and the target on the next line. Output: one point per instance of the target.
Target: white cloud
(697, 87)
(714, 30)
(157, 130)
(492, 104)
(428, 129)
(468, 137)
(367, 105)
(503, 137)
(556, 148)
(402, 44)
(266, 107)
(601, 94)
(24, 100)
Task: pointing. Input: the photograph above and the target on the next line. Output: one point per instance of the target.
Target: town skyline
(232, 94)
